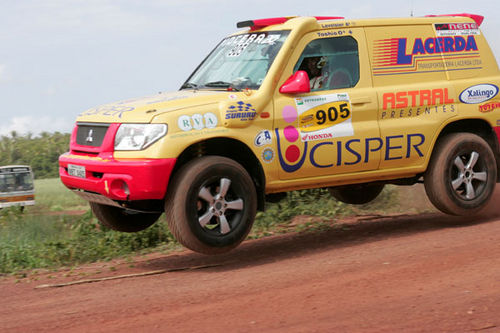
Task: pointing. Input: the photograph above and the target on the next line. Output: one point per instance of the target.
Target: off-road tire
(211, 204)
(121, 219)
(461, 175)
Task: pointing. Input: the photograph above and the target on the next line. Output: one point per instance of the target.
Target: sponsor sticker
(479, 93)
(397, 56)
(456, 29)
(263, 138)
(109, 110)
(268, 155)
(242, 111)
(488, 107)
(197, 121)
(324, 117)
(241, 42)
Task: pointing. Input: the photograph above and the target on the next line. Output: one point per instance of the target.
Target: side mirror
(298, 83)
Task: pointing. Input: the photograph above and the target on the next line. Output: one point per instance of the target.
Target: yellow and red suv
(293, 103)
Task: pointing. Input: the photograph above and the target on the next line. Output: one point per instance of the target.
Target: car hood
(143, 109)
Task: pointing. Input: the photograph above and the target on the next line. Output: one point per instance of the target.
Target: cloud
(62, 20)
(35, 125)
(3, 73)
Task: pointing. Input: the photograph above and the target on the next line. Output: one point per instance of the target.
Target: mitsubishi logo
(89, 138)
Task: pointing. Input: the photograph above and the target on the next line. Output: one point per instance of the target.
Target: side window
(330, 63)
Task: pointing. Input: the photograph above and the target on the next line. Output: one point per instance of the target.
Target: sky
(61, 57)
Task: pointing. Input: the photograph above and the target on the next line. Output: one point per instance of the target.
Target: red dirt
(415, 273)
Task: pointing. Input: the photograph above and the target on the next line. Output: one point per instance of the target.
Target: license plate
(76, 170)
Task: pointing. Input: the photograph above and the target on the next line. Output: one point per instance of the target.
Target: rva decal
(197, 121)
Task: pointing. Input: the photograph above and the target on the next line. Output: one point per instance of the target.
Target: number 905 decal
(325, 116)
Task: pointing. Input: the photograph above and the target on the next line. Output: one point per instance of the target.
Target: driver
(314, 68)
(314, 64)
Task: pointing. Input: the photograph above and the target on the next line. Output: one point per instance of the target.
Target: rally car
(294, 103)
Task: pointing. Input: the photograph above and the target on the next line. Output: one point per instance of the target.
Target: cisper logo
(351, 152)
(479, 93)
(109, 110)
(342, 152)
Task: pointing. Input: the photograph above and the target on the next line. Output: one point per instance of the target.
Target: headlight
(138, 136)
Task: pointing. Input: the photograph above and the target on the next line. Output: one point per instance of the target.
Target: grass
(47, 236)
(53, 196)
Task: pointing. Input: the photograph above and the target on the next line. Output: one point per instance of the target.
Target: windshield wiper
(189, 85)
(221, 84)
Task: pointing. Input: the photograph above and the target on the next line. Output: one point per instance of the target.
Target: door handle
(361, 100)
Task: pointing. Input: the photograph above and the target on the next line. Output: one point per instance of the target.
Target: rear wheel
(121, 219)
(356, 194)
(461, 175)
(211, 204)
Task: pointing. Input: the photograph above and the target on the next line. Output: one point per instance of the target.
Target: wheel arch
(479, 127)
(233, 149)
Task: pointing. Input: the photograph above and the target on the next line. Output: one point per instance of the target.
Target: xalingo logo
(479, 93)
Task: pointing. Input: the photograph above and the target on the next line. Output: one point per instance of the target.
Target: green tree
(40, 152)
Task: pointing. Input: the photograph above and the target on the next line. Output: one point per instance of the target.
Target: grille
(91, 134)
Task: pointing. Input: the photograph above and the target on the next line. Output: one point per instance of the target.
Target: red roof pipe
(477, 18)
(262, 23)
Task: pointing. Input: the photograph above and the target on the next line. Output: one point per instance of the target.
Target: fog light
(120, 189)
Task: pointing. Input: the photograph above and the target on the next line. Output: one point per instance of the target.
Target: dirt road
(416, 273)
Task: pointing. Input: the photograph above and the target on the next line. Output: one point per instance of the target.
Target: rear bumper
(126, 180)
(17, 199)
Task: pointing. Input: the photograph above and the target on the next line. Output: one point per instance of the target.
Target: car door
(333, 129)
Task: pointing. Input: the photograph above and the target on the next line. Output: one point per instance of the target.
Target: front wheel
(211, 204)
(461, 175)
(121, 219)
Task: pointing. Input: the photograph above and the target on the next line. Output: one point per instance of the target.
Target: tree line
(40, 152)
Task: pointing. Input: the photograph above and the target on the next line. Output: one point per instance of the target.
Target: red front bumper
(141, 179)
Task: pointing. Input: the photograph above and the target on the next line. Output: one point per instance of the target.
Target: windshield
(12, 182)
(238, 62)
